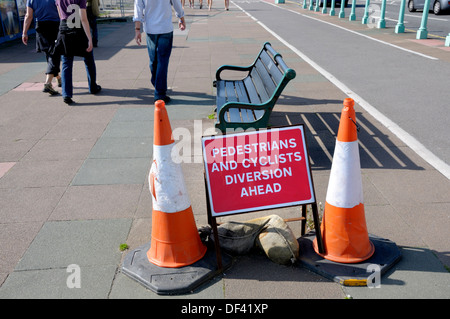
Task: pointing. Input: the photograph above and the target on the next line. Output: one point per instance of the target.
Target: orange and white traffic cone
(175, 241)
(344, 230)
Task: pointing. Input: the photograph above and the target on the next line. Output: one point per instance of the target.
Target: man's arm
(138, 18)
(181, 24)
(179, 13)
(86, 28)
(26, 25)
(137, 32)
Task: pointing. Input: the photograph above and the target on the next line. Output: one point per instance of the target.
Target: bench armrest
(232, 68)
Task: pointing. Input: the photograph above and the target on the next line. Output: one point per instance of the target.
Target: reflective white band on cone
(345, 184)
(166, 177)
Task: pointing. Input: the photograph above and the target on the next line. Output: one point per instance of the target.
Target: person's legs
(56, 62)
(91, 71)
(66, 76)
(151, 47)
(163, 52)
(159, 49)
(50, 73)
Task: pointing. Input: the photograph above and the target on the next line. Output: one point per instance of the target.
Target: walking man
(156, 18)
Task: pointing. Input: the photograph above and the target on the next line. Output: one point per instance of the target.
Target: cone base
(386, 255)
(172, 281)
(175, 240)
(345, 259)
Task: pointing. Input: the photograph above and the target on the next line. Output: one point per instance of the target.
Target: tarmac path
(405, 88)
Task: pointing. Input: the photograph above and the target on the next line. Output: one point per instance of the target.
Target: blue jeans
(66, 73)
(159, 49)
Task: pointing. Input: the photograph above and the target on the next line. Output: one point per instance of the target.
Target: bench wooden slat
(231, 93)
(258, 114)
(246, 115)
(241, 92)
(251, 90)
(265, 77)
(235, 115)
(274, 71)
(259, 85)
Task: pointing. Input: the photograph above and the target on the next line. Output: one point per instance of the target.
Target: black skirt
(46, 35)
(71, 41)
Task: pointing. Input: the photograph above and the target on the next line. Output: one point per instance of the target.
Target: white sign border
(249, 210)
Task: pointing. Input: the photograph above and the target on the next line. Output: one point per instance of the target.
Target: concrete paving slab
(86, 243)
(40, 174)
(273, 281)
(5, 167)
(75, 130)
(29, 204)
(419, 274)
(126, 147)
(126, 288)
(129, 129)
(15, 238)
(55, 149)
(112, 171)
(134, 114)
(97, 202)
(95, 283)
(12, 150)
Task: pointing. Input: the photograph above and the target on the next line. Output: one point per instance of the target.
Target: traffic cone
(175, 241)
(344, 230)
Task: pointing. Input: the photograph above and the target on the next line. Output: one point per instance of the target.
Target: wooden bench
(248, 102)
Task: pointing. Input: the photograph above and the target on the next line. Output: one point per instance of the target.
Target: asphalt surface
(73, 182)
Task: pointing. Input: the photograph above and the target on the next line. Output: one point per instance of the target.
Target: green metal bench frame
(248, 103)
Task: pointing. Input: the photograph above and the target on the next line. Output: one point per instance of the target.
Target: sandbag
(239, 237)
(270, 234)
(278, 241)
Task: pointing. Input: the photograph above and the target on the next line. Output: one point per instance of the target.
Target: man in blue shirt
(156, 17)
(47, 26)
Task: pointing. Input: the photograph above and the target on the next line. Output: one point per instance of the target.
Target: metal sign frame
(303, 203)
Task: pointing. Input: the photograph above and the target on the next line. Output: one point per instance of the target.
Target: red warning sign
(257, 170)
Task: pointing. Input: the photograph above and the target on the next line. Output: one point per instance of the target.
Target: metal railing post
(352, 16)
(342, 11)
(400, 27)
(366, 13)
(382, 21)
(333, 4)
(324, 10)
(422, 33)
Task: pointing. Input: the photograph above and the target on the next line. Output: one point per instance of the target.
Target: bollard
(422, 33)
(317, 8)
(342, 12)
(366, 13)
(311, 7)
(324, 10)
(333, 3)
(382, 21)
(352, 16)
(279, 1)
(447, 41)
(304, 4)
(400, 27)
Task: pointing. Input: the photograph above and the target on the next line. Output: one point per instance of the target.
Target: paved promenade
(73, 179)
